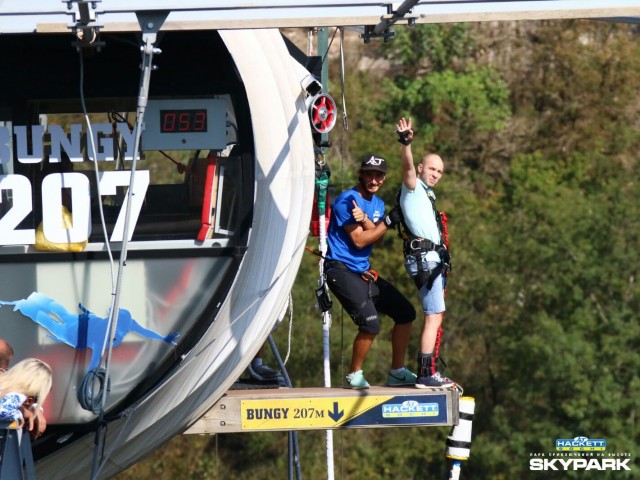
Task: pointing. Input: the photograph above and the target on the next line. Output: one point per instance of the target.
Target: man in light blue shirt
(426, 256)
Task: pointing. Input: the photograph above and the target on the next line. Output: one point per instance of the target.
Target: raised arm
(405, 135)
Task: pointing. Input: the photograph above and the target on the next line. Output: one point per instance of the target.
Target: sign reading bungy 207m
(30, 150)
(344, 412)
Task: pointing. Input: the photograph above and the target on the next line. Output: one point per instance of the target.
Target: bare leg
(400, 342)
(361, 346)
(429, 333)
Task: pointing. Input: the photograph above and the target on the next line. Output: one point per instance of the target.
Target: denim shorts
(433, 299)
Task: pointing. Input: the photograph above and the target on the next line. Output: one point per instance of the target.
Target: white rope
(286, 358)
(310, 42)
(105, 233)
(345, 120)
(94, 160)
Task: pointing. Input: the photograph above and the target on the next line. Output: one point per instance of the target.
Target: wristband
(366, 217)
(402, 137)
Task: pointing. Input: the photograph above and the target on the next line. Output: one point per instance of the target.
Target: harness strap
(427, 276)
(368, 276)
(334, 265)
(417, 244)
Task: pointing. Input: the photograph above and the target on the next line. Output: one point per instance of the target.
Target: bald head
(6, 354)
(430, 169)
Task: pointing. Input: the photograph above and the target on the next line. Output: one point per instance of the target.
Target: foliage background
(538, 125)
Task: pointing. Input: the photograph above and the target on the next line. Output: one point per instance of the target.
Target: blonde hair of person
(31, 377)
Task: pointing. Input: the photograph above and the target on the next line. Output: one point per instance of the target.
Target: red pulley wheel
(323, 113)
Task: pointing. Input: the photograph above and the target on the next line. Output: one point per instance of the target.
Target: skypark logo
(579, 453)
(544, 464)
(581, 444)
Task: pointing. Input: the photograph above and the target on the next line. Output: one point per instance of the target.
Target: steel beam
(47, 16)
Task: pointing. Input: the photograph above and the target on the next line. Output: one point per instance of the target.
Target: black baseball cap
(373, 162)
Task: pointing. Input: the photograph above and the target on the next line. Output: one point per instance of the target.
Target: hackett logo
(581, 444)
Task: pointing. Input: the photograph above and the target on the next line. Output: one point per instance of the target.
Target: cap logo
(374, 161)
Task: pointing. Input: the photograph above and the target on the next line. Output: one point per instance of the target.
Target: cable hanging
(150, 24)
(345, 120)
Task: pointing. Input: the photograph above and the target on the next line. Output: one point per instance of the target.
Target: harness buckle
(370, 276)
(415, 244)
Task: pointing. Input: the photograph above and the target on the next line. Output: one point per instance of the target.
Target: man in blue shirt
(357, 223)
(426, 256)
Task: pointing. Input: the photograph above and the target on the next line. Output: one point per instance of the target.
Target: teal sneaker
(356, 381)
(406, 378)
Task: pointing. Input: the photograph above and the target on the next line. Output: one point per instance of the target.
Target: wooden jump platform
(277, 409)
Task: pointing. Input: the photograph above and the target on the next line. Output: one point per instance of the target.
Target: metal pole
(323, 47)
(294, 451)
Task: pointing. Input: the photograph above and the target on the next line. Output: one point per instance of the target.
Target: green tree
(540, 122)
(455, 100)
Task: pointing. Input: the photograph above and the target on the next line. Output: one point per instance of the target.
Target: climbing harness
(416, 246)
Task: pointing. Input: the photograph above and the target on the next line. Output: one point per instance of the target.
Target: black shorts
(353, 293)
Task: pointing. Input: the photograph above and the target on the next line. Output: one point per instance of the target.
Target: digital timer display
(183, 121)
(185, 124)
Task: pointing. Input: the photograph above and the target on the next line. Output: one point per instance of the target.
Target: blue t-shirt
(341, 247)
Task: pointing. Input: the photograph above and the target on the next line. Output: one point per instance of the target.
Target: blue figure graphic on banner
(82, 330)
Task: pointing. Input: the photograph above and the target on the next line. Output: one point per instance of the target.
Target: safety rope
(94, 159)
(445, 235)
(290, 332)
(309, 42)
(321, 193)
(345, 120)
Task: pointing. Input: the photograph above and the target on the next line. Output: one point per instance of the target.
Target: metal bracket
(151, 21)
(84, 24)
(401, 14)
(369, 33)
(150, 24)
